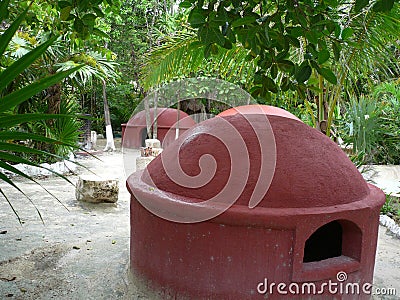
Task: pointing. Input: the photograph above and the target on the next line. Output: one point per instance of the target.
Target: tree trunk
(109, 134)
(177, 118)
(54, 99)
(155, 127)
(148, 117)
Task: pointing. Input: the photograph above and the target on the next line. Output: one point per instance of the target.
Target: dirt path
(83, 253)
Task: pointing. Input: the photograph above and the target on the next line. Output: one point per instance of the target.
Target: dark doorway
(324, 243)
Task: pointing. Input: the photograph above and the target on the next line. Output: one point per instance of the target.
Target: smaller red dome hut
(134, 131)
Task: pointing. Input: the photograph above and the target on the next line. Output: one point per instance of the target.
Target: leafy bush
(371, 124)
(388, 144)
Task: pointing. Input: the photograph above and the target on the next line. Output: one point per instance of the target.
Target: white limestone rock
(390, 224)
(91, 188)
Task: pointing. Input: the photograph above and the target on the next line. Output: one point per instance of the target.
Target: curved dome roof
(166, 117)
(311, 170)
(258, 109)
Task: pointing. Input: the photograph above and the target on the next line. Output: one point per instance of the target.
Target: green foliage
(363, 127)
(65, 129)
(137, 27)
(372, 125)
(271, 31)
(388, 147)
(122, 104)
(317, 49)
(78, 19)
(391, 207)
(291, 102)
(94, 65)
(13, 142)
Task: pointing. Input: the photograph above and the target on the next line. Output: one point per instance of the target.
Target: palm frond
(182, 56)
(9, 100)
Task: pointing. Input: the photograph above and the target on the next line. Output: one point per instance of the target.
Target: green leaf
(100, 33)
(6, 37)
(360, 4)
(269, 84)
(296, 31)
(98, 12)
(336, 50)
(17, 97)
(6, 179)
(15, 148)
(328, 75)
(11, 120)
(247, 37)
(196, 18)
(4, 9)
(312, 37)
(301, 91)
(303, 74)
(323, 56)
(302, 20)
(207, 51)
(285, 65)
(83, 5)
(274, 71)
(64, 14)
(63, 4)
(186, 4)
(243, 21)
(79, 25)
(285, 84)
(16, 171)
(228, 45)
(294, 41)
(209, 35)
(347, 32)
(22, 136)
(219, 19)
(383, 5)
(89, 19)
(21, 64)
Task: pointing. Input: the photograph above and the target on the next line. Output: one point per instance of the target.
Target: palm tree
(96, 67)
(369, 55)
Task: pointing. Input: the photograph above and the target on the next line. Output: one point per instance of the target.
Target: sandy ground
(82, 251)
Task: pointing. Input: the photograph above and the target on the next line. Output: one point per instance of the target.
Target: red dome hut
(315, 225)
